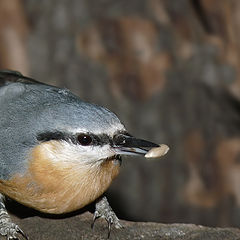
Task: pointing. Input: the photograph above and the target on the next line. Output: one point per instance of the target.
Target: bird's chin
(115, 158)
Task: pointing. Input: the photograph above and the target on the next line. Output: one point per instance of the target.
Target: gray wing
(13, 87)
(26, 108)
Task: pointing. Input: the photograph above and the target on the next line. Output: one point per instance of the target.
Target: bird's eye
(84, 139)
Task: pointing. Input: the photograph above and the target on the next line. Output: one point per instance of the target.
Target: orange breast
(59, 187)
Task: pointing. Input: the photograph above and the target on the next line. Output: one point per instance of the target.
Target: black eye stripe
(100, 139)
(48, 136)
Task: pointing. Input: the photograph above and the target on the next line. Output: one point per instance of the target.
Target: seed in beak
(157, 151)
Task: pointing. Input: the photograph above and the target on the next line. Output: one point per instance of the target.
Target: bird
(58, 153)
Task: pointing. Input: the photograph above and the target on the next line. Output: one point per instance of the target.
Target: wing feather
(7, 77)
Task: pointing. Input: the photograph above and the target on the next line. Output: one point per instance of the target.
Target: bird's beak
(129, 145)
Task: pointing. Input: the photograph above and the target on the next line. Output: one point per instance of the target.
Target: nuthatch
(57, 153)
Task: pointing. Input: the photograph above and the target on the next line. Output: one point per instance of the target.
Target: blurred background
(169, 69)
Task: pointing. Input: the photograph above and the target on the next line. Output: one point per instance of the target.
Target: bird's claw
(12, 232)
(9, 229)
(104, 210)
(20, 231)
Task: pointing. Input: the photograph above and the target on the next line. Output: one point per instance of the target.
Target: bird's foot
(10, 229)
(7, 228)
(104, 210)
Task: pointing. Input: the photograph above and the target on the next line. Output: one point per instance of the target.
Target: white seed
(157, 151)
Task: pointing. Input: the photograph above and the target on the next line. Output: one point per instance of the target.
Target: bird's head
(63, 127)
(88, 134)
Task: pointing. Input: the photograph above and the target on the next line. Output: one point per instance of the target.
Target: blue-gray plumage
(34, 108)
(57, 152)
